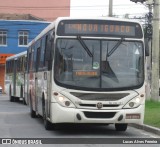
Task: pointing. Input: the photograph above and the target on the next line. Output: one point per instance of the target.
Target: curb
(147, 128)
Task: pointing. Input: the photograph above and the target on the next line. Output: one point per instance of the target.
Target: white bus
(15, 76)
(88, 71)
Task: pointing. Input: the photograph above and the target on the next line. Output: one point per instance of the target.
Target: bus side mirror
(146, 42)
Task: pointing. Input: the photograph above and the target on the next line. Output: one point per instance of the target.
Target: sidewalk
(147, 128)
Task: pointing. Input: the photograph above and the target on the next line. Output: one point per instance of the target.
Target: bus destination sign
(100, 28)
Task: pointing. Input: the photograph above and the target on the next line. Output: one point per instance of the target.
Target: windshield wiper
(115, 47)
(84, 46)
(106, 68)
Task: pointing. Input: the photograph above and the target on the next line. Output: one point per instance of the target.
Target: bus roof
(55, 23)
(17, 55)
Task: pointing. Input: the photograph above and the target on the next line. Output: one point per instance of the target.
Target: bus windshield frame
(102, 74)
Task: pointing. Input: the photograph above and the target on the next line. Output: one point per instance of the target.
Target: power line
(64, 7)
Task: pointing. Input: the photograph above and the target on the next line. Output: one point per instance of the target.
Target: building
(45, 9)
(14, 37)
(15, 29)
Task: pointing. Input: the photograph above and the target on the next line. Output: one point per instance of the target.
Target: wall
(12, 27)
(46, 9)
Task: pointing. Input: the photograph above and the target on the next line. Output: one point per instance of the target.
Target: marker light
(63, 101)
(133, 103)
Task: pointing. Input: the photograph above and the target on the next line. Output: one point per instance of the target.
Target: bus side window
(45, 52)
(38, 54)
(17, 67)
(28, 60)
(21, 64)
(31, 62)
(48, 50)
(25, 64)
(38, 58)
(7, 66)
(42, 57)
(34, 57)
(10, 69)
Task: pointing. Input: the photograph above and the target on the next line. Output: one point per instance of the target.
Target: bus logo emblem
(99, 105)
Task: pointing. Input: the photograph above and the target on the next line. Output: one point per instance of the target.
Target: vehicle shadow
(85, 130)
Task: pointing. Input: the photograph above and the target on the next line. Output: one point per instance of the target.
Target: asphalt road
(15, 122)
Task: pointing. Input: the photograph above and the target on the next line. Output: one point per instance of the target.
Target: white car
(0, 89)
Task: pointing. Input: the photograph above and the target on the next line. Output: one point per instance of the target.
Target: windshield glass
(99, 64)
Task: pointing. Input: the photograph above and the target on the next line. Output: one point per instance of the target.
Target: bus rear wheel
(11, 98)
(32, 112)
(121, 127)
(22, 96)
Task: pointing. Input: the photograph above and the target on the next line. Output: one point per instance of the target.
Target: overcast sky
(100, 8)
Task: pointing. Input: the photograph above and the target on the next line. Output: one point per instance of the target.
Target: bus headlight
(65, 102)
(135, 102)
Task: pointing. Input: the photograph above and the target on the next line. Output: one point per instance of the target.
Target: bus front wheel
(121, 127)
(47, 124)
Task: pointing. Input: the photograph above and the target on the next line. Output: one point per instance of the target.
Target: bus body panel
(70, 115)
(15, 74)
(32, 93)
(39, 91)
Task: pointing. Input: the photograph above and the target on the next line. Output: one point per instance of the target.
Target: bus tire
(12, 99)
(24, 102)
(32, 112)
(121, 127)
(16, 99)
(47, 124)
(22, 96)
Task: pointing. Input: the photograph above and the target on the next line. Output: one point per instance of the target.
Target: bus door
(32, 67)
(38, 79)
(48, 64)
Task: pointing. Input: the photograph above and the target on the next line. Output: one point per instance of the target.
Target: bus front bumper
(61, 114)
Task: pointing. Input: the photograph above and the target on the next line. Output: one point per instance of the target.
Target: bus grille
(100, 96)
(99, 114)
(94, 105)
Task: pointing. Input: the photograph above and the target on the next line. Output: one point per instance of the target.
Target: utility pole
(155, 53)
(110, 8)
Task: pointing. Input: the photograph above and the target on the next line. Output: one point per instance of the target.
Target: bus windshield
(99, 64)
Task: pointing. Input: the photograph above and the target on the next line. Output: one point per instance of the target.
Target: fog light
(131, 104)
(67, 103)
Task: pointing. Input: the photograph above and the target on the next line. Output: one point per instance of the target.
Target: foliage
(152, 113)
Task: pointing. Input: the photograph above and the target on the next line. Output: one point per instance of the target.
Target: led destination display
(99, 28)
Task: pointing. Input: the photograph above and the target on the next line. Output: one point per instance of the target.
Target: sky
(100, 8)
